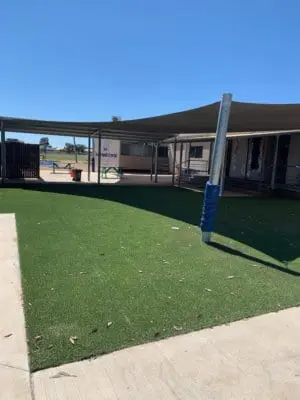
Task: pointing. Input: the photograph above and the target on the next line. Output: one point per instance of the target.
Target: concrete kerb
(14, 369)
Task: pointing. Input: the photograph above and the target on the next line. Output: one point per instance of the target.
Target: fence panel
(22, 160)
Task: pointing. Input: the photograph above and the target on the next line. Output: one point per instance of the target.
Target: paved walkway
(258, 358)
(14, 373)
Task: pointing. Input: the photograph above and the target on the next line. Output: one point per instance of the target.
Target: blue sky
(89, 60)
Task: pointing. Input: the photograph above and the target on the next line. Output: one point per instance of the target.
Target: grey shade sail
(244, 117)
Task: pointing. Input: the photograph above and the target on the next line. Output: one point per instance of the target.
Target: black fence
(22, 160)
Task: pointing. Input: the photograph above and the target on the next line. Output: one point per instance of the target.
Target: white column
(223, 171)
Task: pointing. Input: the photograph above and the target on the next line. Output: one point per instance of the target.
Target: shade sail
(244, 117)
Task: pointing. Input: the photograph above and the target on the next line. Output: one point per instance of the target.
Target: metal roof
(244, 117)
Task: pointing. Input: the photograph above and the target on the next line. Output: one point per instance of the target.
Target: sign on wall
(110, 153)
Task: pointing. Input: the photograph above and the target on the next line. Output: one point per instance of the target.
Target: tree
(69, 148)
(75, 149)
(44, 143)
(80, 148)
(115, 118)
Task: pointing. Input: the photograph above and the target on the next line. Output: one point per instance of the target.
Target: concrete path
(257, 358)
(14, 373)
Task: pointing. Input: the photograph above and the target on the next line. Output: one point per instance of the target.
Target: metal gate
(22, 160)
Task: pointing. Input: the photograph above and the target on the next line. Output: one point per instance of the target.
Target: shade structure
(244, 117)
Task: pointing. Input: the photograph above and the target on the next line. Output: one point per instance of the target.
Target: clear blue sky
(89, 60)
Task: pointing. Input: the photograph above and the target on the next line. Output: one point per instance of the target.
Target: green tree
(80, 148)
(69, 148)
(44, 143)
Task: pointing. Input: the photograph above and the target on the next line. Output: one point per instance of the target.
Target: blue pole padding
(209, 211)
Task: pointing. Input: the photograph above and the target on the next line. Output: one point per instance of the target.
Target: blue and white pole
(212, 188)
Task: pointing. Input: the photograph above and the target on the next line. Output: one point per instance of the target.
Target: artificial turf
(133, 256)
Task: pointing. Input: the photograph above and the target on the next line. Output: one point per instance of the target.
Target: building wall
(110, 153)
(198, 164)
(136, 163)
(239, 159)
(111, 156)
(293, 173)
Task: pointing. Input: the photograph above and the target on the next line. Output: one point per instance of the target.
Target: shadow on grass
(239, 253)
(269, 225)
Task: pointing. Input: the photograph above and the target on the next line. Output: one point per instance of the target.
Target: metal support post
(99, 158)
(274, 163)
(174, 162)
(211, 148)
(223, 171)
(3, 152)
(152, 161)
(180, 164)
(212, 187)
(188, 150)
(247, 157)
(89, 159)
(156, 163)
(262, 166)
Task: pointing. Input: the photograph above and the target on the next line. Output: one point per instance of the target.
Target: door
(282, 158)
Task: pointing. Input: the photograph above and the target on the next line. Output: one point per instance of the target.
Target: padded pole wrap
(209, 211)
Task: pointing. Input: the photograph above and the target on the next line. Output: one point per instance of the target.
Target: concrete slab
(14, 372)
(258, 358)
(14, 384)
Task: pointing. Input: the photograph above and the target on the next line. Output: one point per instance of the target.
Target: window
(136, 149)
(163, 151)
(196, 152)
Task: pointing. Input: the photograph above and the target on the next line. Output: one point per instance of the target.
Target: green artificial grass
(94, 255)
(66, 157)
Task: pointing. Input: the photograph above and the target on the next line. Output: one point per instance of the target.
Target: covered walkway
(245, 119)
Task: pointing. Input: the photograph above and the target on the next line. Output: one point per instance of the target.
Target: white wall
(199, 164)
(110, 153)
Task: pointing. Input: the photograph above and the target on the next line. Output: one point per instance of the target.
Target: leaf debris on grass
(109, 324)
(177, 328)
(230, 276)
(208, 290)
(72, 339)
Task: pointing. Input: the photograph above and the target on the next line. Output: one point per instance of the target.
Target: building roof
(244, 117)
(202, 137)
